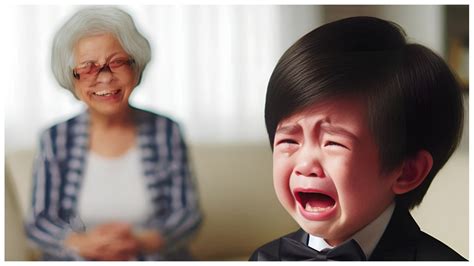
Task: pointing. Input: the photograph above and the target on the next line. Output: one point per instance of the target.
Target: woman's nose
(105, 75)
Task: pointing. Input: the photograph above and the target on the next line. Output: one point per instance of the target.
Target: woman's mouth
(105, 93)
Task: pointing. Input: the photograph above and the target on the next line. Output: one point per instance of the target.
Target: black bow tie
(292, 250)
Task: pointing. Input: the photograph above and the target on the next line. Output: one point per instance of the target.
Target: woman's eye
(85, 65)
(118, 62)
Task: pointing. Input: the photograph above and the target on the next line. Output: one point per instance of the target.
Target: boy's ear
(414, 172)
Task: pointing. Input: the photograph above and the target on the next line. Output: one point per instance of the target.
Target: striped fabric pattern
(58, 172)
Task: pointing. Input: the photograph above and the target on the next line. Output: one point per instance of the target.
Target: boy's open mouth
(314, 201)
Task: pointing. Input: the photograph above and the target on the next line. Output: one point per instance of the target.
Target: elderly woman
(112, 183)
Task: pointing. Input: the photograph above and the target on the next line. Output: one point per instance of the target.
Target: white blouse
(114, 190)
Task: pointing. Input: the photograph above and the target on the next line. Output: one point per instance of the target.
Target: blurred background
(210, 64)
(209, 71)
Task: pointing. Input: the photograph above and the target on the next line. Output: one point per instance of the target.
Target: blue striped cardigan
(58, 172)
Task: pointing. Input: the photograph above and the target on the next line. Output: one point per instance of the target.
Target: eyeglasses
(89, 70)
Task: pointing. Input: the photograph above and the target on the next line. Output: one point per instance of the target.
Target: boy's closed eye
(288, 141)
(287, 145)
(337, 144)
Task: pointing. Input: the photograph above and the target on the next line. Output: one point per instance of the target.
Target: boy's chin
(319, 231)
(324, 229)
(315, 228)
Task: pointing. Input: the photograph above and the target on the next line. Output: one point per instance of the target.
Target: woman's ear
(414, 172)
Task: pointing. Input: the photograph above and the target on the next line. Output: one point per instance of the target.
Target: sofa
(241, 211)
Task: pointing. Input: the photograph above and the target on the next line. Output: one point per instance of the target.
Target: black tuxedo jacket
(402, 241)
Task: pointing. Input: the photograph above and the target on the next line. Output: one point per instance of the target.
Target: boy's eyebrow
(290, 129)
(338, 130)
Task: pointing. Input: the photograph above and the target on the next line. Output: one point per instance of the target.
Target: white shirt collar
(367, 237)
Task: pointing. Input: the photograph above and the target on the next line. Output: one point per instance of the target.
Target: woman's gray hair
(95, 21)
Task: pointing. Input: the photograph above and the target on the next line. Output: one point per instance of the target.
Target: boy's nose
(309, 168)
(309, 162)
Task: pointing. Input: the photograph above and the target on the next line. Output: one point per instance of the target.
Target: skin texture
(112, 133)
(329, 148)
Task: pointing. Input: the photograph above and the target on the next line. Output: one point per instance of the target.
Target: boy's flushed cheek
(282, 165)
(281, 182)
(284, 195)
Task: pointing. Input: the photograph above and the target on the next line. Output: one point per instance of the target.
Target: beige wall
(444, 212)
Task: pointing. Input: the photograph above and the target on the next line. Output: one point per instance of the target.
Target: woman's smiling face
(108, 91)
(326, 170)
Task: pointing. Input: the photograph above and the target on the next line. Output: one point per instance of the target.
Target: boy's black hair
(414, 101)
